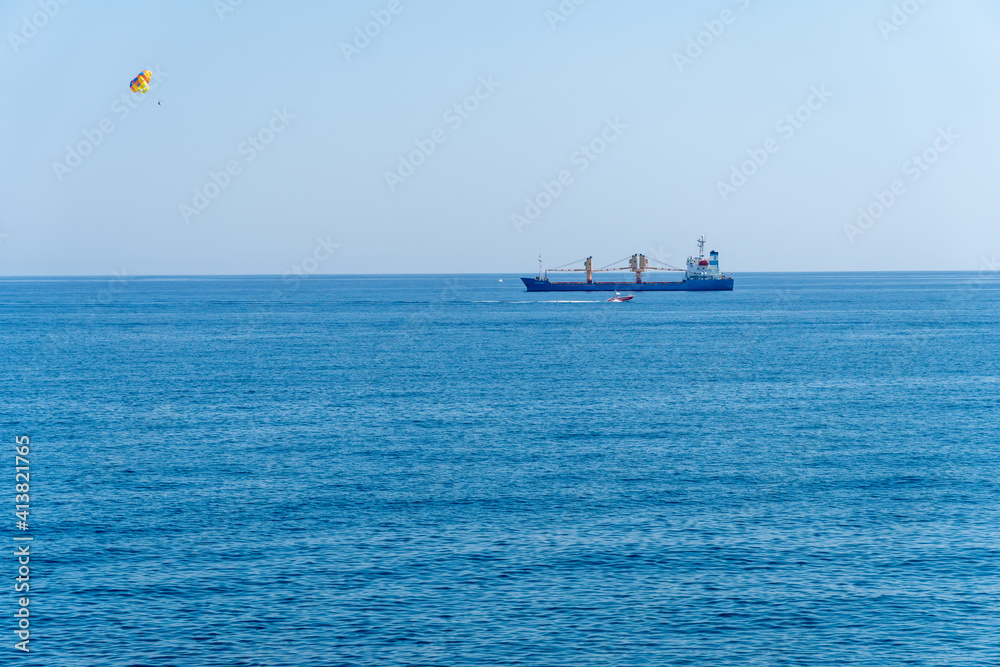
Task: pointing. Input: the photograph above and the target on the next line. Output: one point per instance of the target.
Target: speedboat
(619, 298)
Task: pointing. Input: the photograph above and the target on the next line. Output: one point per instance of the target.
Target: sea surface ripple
(390, 470)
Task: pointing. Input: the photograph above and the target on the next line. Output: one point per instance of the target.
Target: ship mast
(539, 266)
(701, 246)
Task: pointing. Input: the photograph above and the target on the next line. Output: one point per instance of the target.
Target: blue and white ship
(702, 274)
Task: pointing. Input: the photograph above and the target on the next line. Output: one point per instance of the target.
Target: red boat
(618, 298)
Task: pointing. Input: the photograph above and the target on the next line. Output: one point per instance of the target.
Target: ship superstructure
(700, 268)
(702, 273)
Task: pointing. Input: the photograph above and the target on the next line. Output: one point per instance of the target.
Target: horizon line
(123, 275)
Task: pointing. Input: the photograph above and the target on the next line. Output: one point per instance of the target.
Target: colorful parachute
(140, 84)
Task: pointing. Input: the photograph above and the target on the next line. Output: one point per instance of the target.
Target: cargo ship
(702, 274)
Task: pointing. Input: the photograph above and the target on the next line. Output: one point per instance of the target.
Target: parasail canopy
(140, 84)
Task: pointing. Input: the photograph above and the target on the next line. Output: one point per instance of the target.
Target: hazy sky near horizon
(614, 128)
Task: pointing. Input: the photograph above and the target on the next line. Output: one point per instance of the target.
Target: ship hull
(535, 285)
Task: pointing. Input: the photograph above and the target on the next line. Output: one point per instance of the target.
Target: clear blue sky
(677, 129)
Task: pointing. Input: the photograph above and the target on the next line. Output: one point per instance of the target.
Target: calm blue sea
(450, 471)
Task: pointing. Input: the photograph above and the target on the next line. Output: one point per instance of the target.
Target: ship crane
(638, 264)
